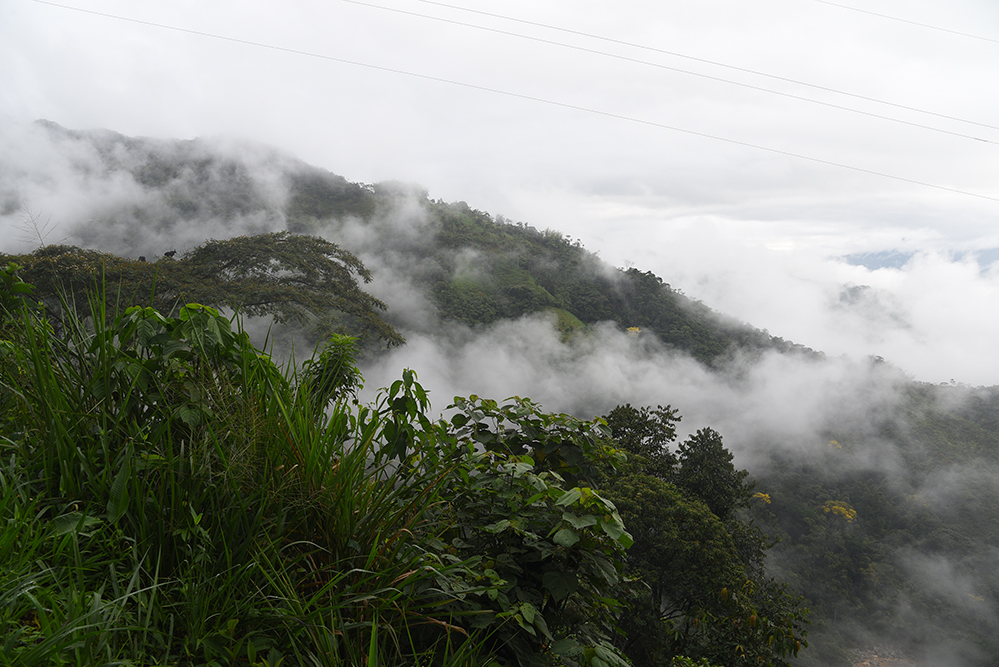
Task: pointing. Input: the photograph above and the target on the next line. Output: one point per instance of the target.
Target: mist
(121, 195)
(881, 329)
(773, 411)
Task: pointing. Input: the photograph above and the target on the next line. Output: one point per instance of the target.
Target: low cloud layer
(790, 401)
(98, 191)
(933, 316)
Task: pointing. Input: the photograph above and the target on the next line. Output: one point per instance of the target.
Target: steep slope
(474, 268)
(883, 490)
(902, 549)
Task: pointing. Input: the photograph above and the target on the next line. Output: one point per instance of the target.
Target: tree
(553, 545)
(648, 433)
(701, 590)
(682, 556)
(706, 471)
(294, 278)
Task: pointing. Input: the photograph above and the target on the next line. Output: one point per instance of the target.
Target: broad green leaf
(536, 497)
(497, 527)
(565, 646)
(520, 469)
(522, 623)
(189, 415)
(560, 584)
(528, 610)
(579, 522)
(626, 540)
(613, 526)
(542, 625)
(609, 656)
(569, 497)
(146, 329)
(605, 568)
(566, 537)
(68, 523)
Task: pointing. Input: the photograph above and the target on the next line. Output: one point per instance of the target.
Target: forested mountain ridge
(475, 268)
(886, 506)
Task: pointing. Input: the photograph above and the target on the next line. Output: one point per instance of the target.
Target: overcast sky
(574, 116)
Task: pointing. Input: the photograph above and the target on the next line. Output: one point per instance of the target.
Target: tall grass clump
(169, 495)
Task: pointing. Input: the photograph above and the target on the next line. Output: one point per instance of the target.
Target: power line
(710, 62)
(901, 20)
(673, 69)
(564, 105)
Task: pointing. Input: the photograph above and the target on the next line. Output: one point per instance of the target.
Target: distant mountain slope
(518, 270)
(474, 268)
(904, 548)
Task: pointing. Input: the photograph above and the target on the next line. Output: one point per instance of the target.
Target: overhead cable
(555, 103)
(710, 62)
(673, 69)
(901, 20)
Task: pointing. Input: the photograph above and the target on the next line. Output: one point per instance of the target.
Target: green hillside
(170, 496)
(476, 269)
(886, 520)
(875, 549)
(521, 270)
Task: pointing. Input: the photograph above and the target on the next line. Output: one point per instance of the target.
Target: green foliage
(170, 495)
(567, 324)
(857, 569)
(938, 505)
(701, 591)
(681, 661)
(519, 270)
(701, 466)
(683, 552)
(575, 449)
(647, 433)
(114, 419)
(300, 279)
(706, 472)
(13, 290)
(332, 374)
(316, 195)
(551, 543)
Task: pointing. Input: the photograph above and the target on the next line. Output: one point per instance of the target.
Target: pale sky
(572, 115)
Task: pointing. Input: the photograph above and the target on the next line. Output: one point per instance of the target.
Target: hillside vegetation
(878, 549)
(475, 268)
(887, 519)
(168, 495)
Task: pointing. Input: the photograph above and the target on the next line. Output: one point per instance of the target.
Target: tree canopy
(703, 593)
(294, 278)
